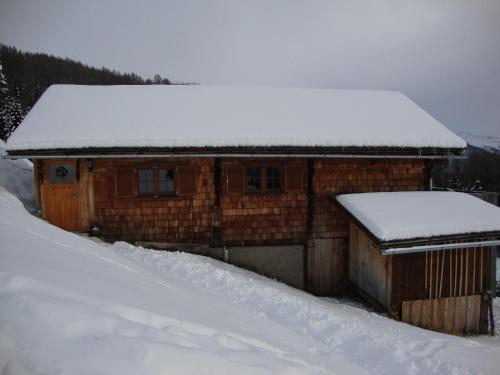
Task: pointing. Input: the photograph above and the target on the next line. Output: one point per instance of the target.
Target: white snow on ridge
(407, 215)
(70, 116)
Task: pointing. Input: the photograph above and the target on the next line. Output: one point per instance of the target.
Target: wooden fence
(456, 315)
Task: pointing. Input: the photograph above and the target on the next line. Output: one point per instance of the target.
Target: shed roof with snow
(76, 117)
(410, 217)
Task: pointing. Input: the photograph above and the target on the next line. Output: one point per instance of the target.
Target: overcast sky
(443, 54)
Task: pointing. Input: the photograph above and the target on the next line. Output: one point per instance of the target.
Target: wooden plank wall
(443, 275)
(456, 315)
(368, 270)
(60, 202)
(38, 176)
(85, 197)
(326, 266)
(440, 274)
(456, 272)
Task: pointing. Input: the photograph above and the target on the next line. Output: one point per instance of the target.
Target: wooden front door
(60, 194)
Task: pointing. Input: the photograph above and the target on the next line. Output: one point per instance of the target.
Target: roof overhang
(241, 152)
(438, 247)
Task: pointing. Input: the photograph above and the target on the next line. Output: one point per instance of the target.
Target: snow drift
(17, 177)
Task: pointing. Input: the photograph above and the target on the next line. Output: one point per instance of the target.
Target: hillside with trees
(24, 76)
(479, 171)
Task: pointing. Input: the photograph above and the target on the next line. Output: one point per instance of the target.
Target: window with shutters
(273, 178)
(264, 179)
(253, 179)
(155, 181)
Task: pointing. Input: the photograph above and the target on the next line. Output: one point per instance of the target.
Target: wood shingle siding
(185, 180)
(357, 176)
(294, 178)
(234, 178)
(125, 182)
(184, 218)
(260, 218)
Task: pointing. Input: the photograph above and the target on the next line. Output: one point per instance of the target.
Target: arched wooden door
(60, 194)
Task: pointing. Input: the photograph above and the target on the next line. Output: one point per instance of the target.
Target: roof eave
(281, 151)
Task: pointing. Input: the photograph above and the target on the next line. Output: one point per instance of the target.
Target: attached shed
(425, 257)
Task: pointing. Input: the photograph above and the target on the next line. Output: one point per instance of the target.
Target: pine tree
(11, 111)
(3, 83)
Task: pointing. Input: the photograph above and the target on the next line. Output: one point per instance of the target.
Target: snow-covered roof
(71, 116)
(423, 214)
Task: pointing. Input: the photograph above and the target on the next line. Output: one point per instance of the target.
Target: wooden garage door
(60, 194)
(325, 267)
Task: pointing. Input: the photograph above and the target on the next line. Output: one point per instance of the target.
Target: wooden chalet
(241, 173)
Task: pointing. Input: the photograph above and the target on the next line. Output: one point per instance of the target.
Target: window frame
(155, 167)
(264, 177)
(69, 166)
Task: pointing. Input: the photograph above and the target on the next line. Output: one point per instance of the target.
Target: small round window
(61, 174)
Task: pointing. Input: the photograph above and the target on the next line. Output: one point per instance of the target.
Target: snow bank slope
(17, 177)
(72, 306)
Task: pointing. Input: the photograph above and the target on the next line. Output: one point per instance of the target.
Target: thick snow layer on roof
(70, 116)
(408, 215)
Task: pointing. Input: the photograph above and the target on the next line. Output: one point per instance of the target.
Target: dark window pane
(166, 179)
(273, 179)
(253, 179)
(145, 181)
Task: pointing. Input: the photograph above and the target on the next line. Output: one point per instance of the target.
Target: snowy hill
(17, 177)
(69, 305)
(487, 143)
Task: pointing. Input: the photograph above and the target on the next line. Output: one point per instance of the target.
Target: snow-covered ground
(70, 305)
(17, 177)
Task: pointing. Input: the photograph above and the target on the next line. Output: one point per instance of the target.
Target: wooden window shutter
(235, 179)
(294, 178)
(185, 177)
(125, 182)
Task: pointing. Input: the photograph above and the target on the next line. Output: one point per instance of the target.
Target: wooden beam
(442, 273)
(466, 270)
